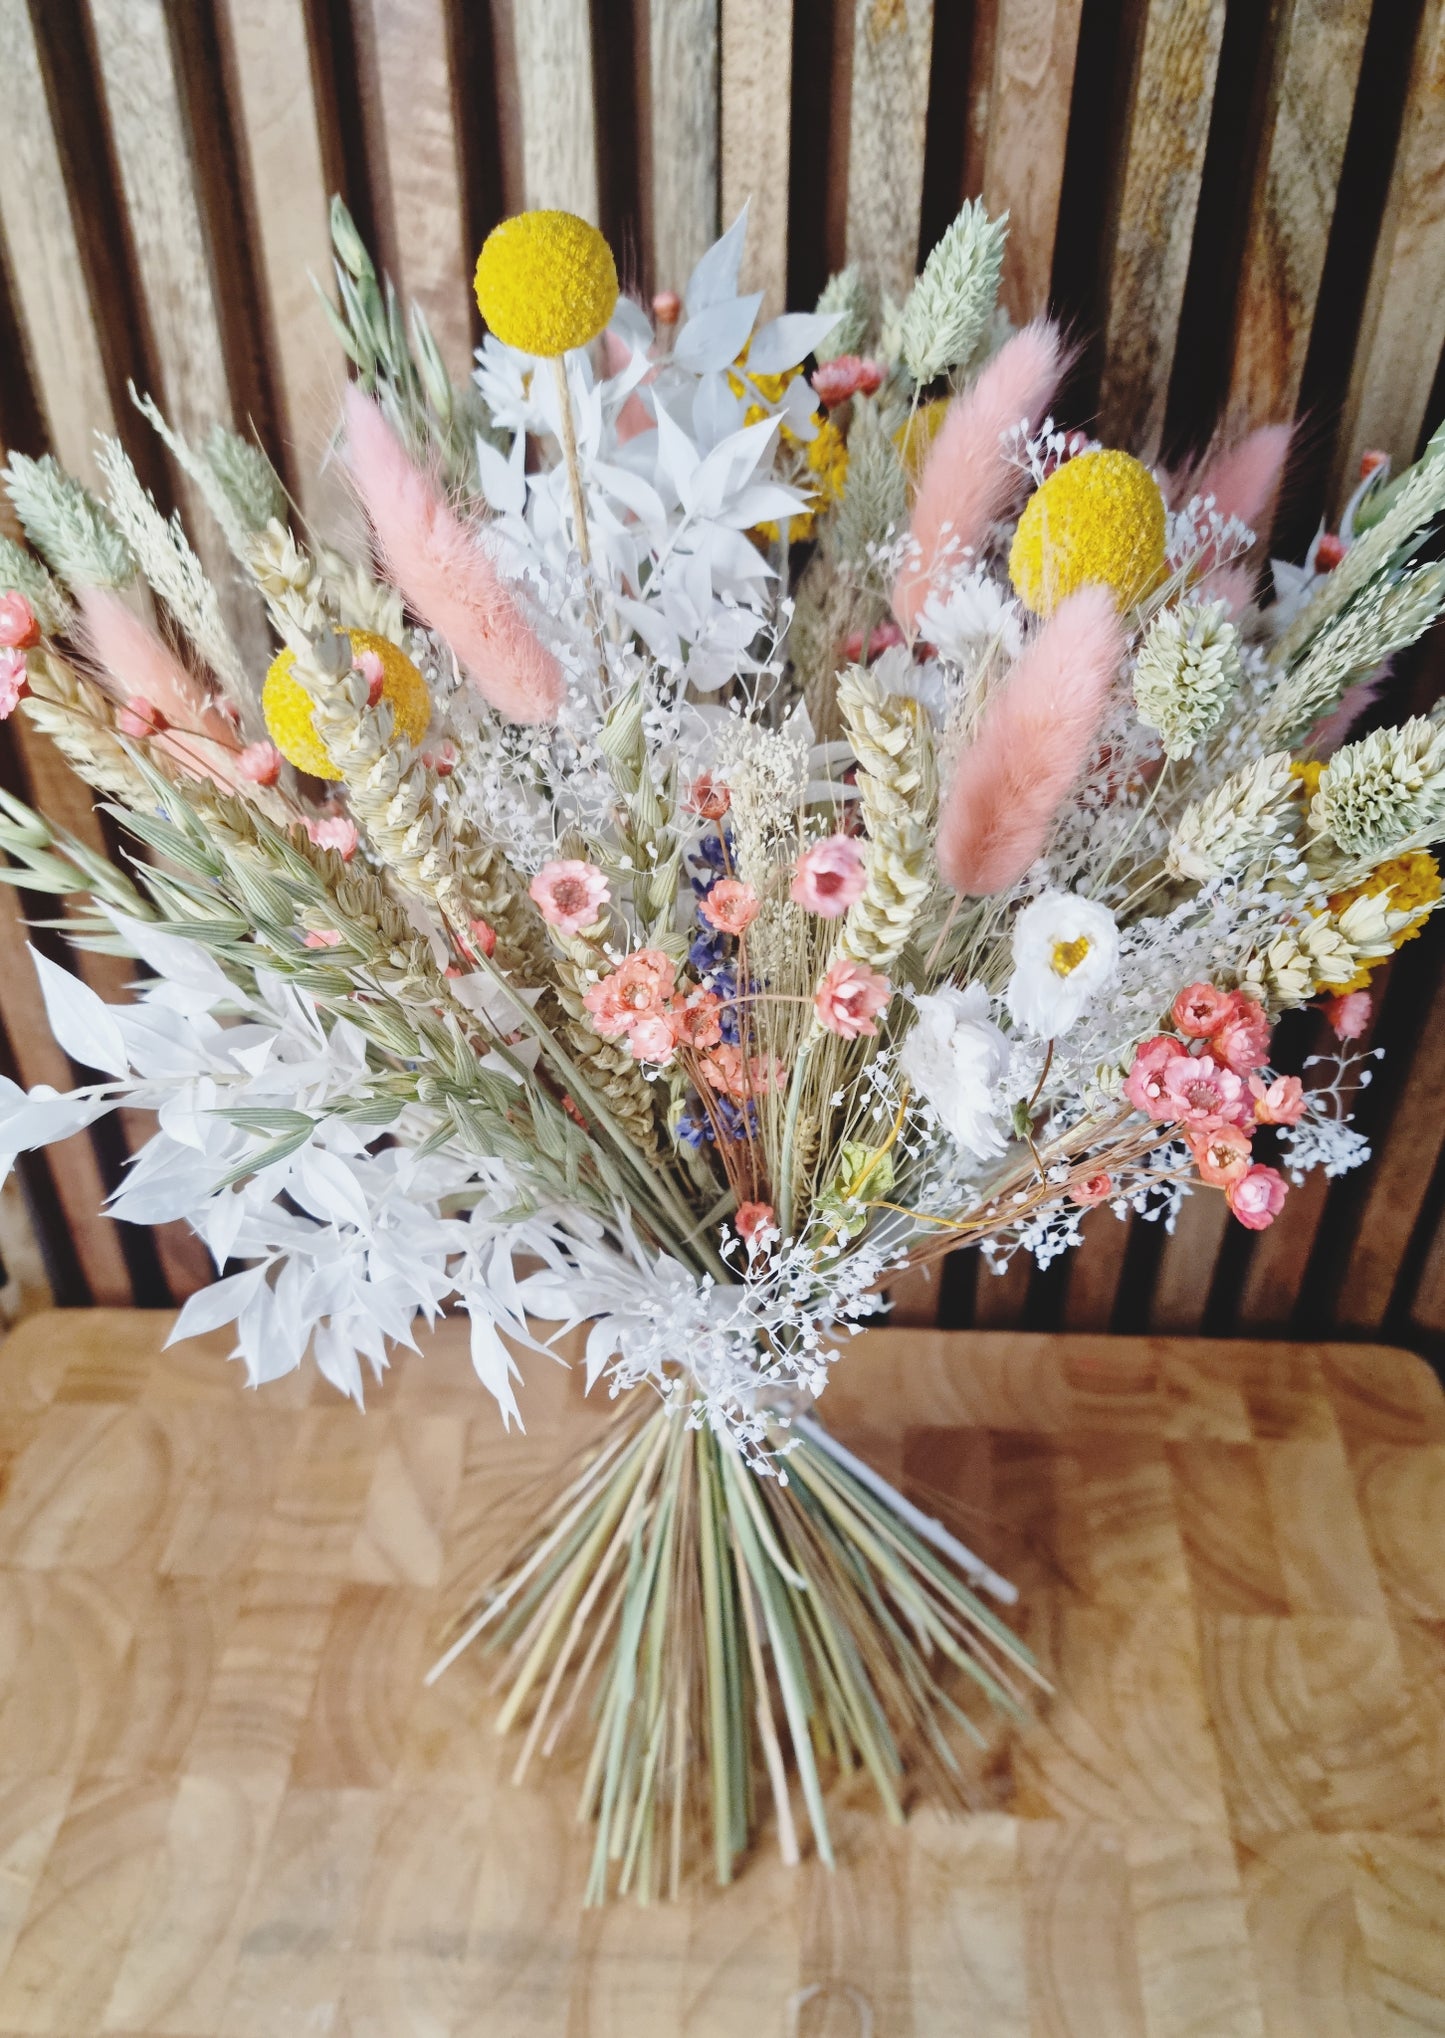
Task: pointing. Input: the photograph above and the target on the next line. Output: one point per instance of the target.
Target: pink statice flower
(260, 762)
(882, 638)
(322, 937)
(1145, 1085)
(14, 681)
(696, 1020)
(441, 758)
(1093, 1189)
(730, 906)
(1220, 1150)
(19, 631)
(570, 894)
(639, 988)
(829, 877)
(752, 1222)
(1200, 1009)
(1349, 1015)
(1257, 1197)
(1281, 1102)
(844, 376)
(1241, 1041)
(652, 1039)
(334, 831)
(725, 1070)
(140, 718)
(850, 997)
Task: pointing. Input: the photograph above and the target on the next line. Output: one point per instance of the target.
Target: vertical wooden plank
(1317, 51)
(888, 116)
(983, 39)
(756, 135)
(1398, 1179)
(1186, 1265)
(268, 57)
(551, 45)
(63, 341)
(1402, 329)
(1427, 1305)
(1001, 1300)
(682, 48)
(405, 54)
(1095, 1271)
(1034, 47)
(1173, 92)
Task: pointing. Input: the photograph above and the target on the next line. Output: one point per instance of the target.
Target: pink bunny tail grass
(1035, 738)
(136, 663)
(1328, 734)
(445, 573)
(966, 483)
(1234, 585)
(1244, 479)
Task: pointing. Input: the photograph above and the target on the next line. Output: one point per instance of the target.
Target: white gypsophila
(955, 1057)
(1065, 951)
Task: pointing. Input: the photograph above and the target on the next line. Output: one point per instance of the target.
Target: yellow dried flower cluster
(546, 282)
(1099, 518)
(1406, 884)
(286, 704)
(915, 436)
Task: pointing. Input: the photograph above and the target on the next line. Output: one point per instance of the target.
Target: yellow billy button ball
(546, 282)
(1098, 518)
(286, 704)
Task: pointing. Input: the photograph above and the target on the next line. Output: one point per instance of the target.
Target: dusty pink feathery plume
(1033, 741)
(966, 483)
(445, 573)
(1244, 478)
(139, 667)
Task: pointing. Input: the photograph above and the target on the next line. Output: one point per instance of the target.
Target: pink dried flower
(481, 939)
(1349, 1015)
(1145, 1085)
(1242, 1041)
(730, 906)
(1257, 1197)
(19, 630)
(880, 640)
(1220, 1150)
(1093, 1189)
(639, 988)
(1200, 1010)
(1201, 1091)
(261, 763)
(652, 1040)
(846, 375)
(707, 797)
(667, 307)
(336, 832)
(752, 1220)
(829, 877)
(140, 718)
(369, 665)
(725, 1070)
(442, 759)
(1281, 1102)
(570, 894)
(697, 1021)
(14, 681)
(323, 937)
(1329, 551)
(850, 997)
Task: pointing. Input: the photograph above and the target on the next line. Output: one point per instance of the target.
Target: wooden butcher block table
(228, 1805)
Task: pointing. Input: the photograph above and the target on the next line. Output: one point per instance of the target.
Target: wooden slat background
(1239, 207)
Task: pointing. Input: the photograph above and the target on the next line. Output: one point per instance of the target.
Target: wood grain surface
(228, 1806)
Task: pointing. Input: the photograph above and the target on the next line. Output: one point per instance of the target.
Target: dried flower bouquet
(738, 829)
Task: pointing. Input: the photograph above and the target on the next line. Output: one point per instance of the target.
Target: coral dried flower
(730, 905)
(19, 630)
(1221, 1152)
(1257, 1197)
(829, 877)
(14, 681)
(570, 894)
(850, 997)
(546, 282)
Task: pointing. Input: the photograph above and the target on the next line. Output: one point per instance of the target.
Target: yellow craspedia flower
(1308, 772)
(1100, 518)
(546, 281)
(915, 436)
(1413, 884)
(286, 704)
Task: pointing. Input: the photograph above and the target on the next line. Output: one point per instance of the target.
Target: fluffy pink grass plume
(1244, 478)
(1234, 585)
(1033, 741)
(1329, 733)
(966, 483)
(446, 574)
(186, 724)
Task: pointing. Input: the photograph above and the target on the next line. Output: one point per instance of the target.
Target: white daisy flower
(1065, 950)
(955, 1058)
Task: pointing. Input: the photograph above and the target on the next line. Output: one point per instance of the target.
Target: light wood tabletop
(229, 1806)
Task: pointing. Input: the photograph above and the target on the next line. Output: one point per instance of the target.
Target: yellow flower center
(1069, 954)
